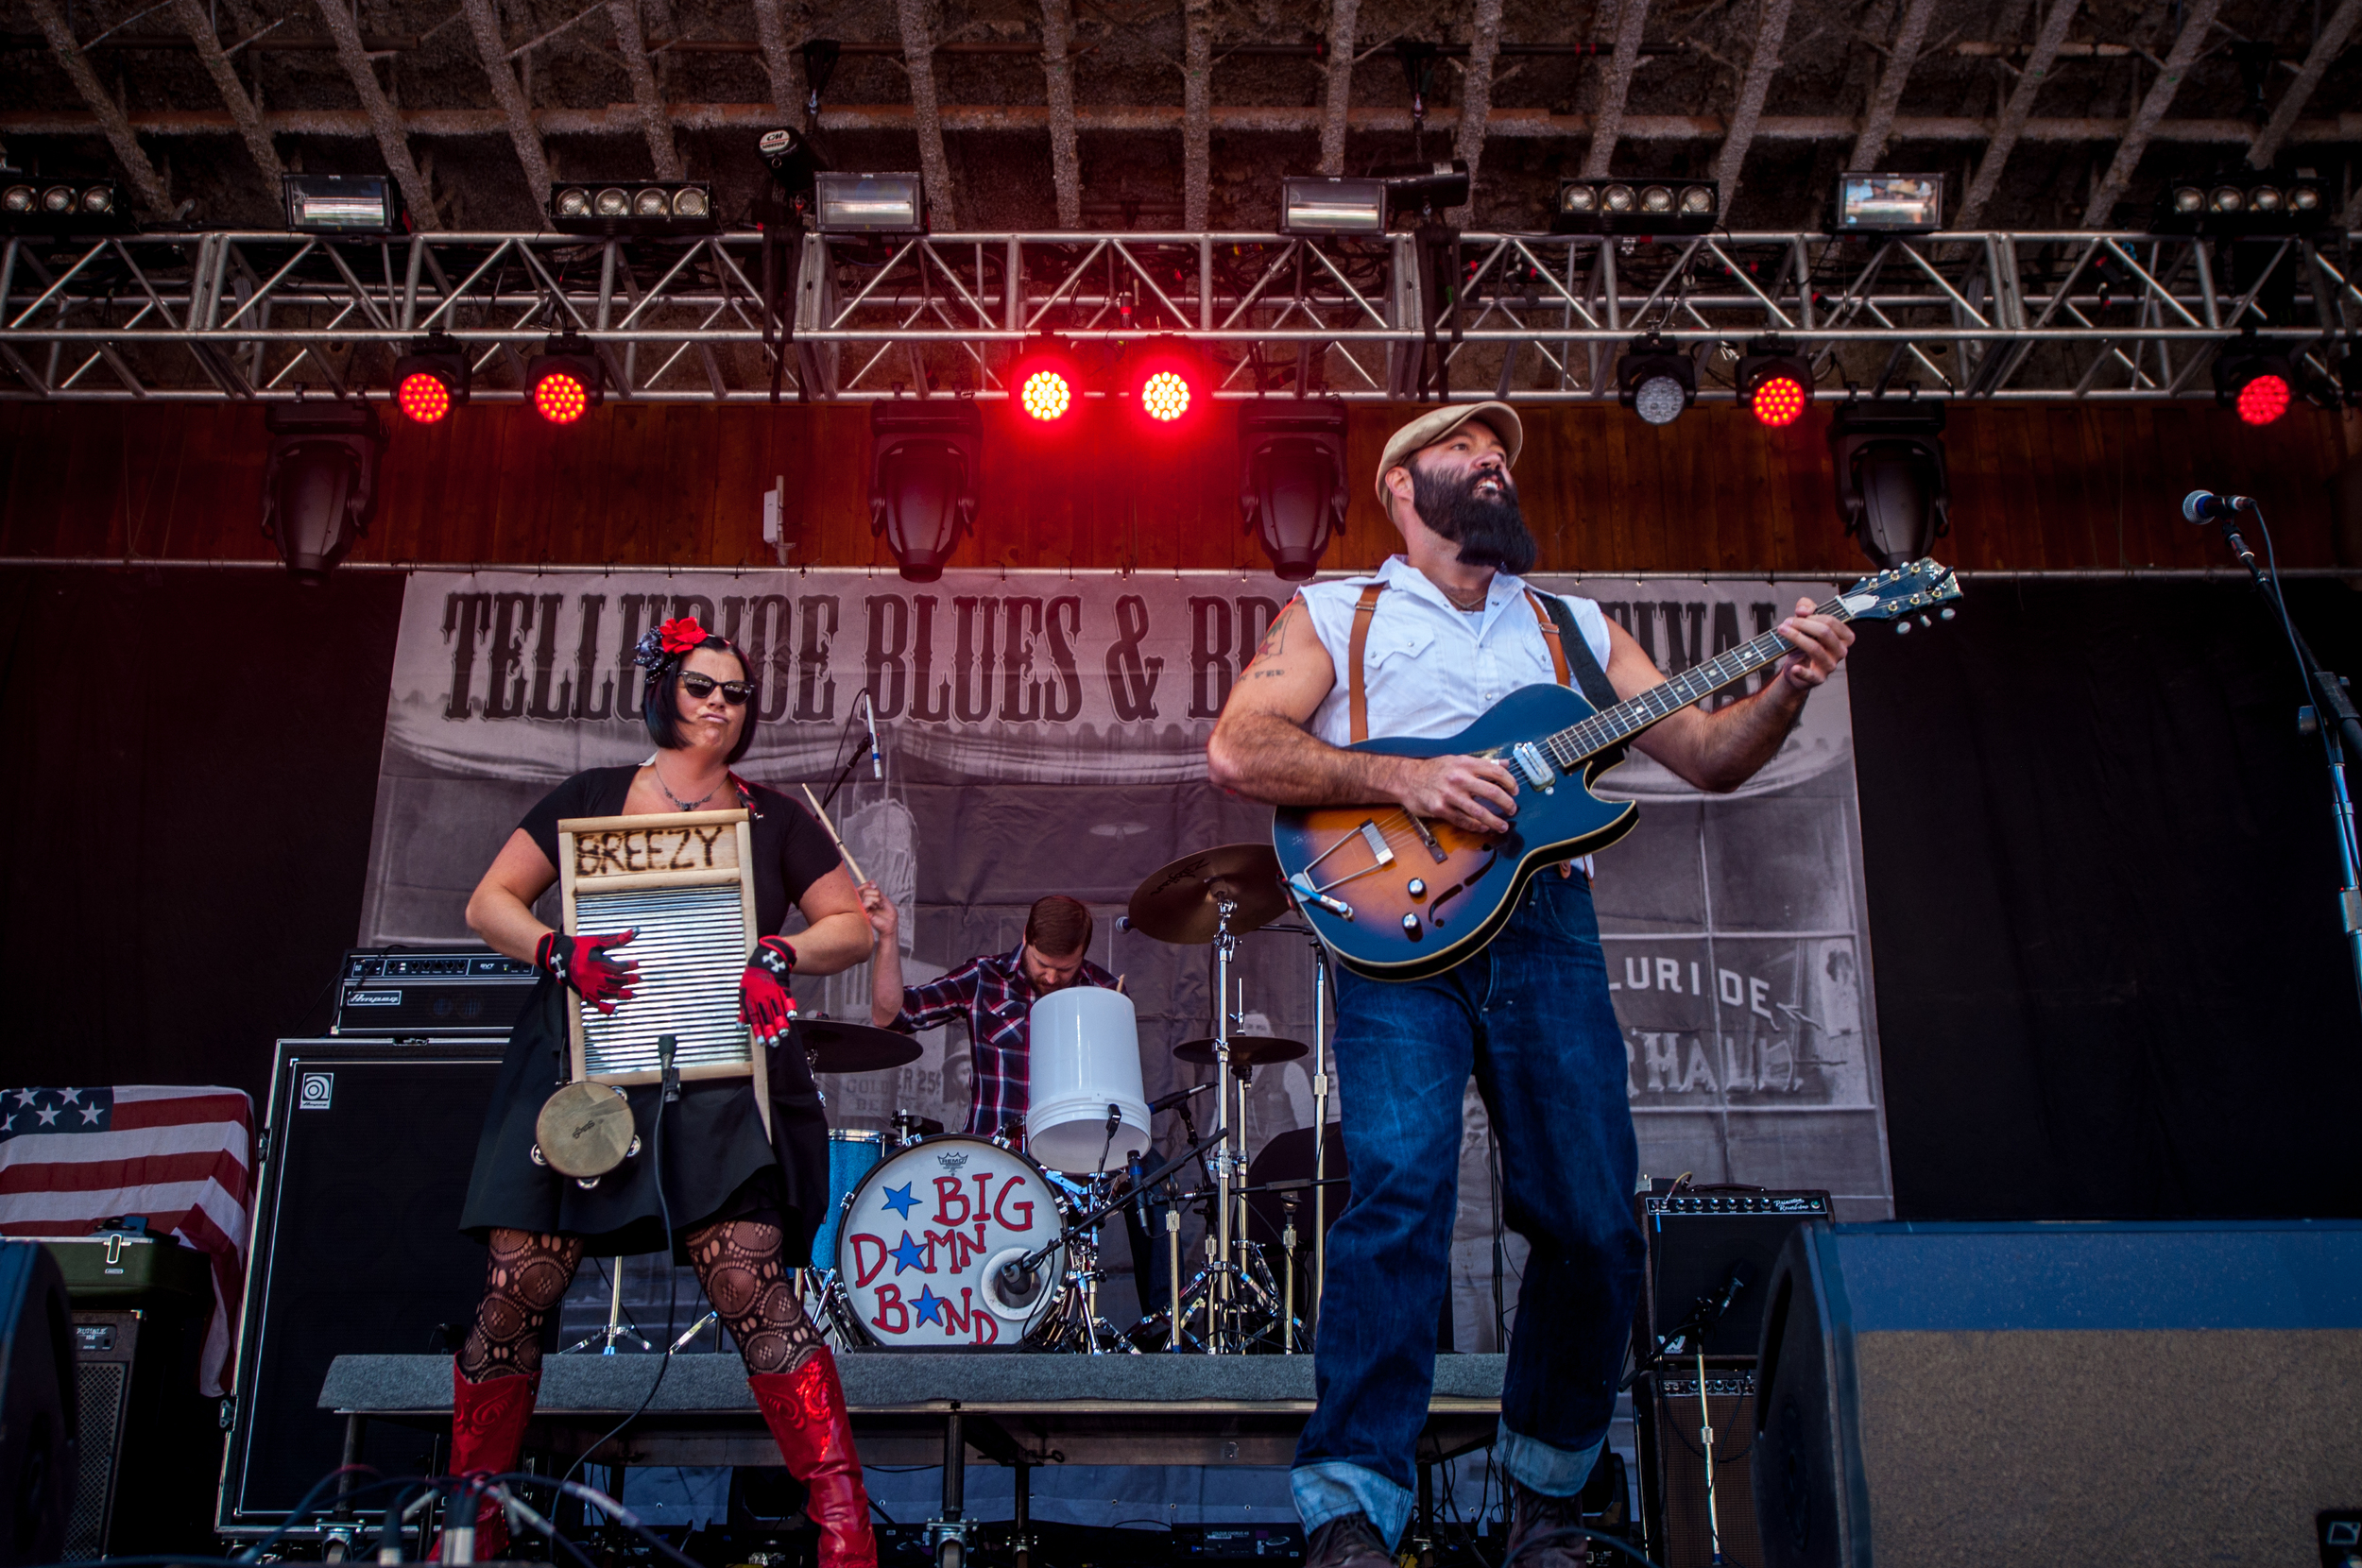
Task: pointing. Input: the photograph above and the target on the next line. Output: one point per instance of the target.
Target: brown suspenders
(1357, 694)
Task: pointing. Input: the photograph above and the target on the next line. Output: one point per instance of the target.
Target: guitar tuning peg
(1903, 627)
(1946, 613)
(1924, 621)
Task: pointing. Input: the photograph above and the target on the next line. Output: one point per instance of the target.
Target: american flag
(179, 1154)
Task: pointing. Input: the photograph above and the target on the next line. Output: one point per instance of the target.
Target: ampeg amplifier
(440, 993)
(1701, 1239)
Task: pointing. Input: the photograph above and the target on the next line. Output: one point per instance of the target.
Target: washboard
(685, 882)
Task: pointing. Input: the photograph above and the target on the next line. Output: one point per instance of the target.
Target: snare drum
(852, 1154)
(925, 1236)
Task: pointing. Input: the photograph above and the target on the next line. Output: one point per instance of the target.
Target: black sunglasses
(734, 692)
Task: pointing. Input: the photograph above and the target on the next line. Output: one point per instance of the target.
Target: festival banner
(1045, 732)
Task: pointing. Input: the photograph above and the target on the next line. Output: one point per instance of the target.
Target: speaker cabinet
(1934, 1395)
(357, 1251)
(106, 1345)
(38, 1435)
(1674, 1464)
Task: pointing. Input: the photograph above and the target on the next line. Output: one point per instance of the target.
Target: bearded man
(1441, 633)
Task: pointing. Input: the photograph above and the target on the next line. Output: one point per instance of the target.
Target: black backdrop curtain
(2100, 873)
(2103, 906)
(192, 760)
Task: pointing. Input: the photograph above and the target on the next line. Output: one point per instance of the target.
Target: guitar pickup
(1377, 841)
(1301, 886)
(1535, 768)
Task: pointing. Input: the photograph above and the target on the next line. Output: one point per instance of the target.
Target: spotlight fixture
(793, 161)
(1322, 204)
(869, 204)
(1425, 188)
(565, 380)
(320, 482)
(2244, 202)
(926, 468)
(1292, 469)
(1774, 382)
(1891, 488)
(2253, 379)
(1658, 383)
(1167, 383)
(671, 207)
(432, 379)
(343, 204)
(63, 207)
(1046, 384)
(1637, 207)
(1888, 203)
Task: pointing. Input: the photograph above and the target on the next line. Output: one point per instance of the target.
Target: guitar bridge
(1433, 850)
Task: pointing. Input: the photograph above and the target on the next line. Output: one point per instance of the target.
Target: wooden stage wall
(2041, 487)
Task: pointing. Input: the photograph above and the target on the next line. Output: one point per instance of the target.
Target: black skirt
(717, 1162)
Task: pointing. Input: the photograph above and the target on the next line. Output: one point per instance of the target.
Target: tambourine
(585, 1130)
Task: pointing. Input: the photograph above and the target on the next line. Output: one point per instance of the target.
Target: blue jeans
(1530, 1018)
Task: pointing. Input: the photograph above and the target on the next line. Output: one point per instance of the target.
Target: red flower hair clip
(680, 634)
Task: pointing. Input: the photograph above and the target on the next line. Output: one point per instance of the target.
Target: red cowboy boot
(805, 1410)
(488, 1429)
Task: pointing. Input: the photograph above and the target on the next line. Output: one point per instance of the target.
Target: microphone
(869, 718)
(1166, 1102)
(2203, 506)
(1139, 1187)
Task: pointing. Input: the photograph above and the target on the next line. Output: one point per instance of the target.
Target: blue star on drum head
(930, 1307)
(899, 1200)
(908, 1255)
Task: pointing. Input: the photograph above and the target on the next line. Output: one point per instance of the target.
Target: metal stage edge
(912, 1408)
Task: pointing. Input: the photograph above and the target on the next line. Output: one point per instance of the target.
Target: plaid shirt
(993, 994)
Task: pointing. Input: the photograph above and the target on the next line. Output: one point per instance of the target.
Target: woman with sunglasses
(742, 1206)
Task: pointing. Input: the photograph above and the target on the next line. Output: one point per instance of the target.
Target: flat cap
(1436, 423)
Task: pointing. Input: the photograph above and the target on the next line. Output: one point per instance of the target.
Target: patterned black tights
(738, 1261)
(526, 1276)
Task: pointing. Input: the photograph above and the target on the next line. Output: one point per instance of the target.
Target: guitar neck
(1613, 725)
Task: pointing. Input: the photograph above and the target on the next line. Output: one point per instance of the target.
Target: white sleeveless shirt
(1431, 670)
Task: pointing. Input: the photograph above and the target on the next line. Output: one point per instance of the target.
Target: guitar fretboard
(1613, 725)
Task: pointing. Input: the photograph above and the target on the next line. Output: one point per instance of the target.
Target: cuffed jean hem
(1538, 1467)
(1334, 1488)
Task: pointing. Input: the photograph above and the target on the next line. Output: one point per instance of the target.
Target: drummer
(994, 992)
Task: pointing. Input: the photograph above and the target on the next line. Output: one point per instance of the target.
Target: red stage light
(1778, 400)
(1165, 395)
(424, 396)
(1046, 395)
(561, 398)
(2263, 400)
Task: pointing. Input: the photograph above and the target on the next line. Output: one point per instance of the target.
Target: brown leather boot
(1544, 1531)
(1348, 1540)
(805, 1410)
(488, 1431)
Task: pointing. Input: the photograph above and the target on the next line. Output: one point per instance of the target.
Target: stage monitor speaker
(1674, 1465)
(357, 1251)
(106, 1346)
(1933, 1395)
(37, 1406)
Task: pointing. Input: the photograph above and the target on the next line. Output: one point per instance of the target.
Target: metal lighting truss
(1543, 318)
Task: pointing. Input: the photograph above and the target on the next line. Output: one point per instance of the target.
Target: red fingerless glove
(585, 964)
(763, 1003)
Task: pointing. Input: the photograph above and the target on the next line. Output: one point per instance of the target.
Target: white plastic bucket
(1086, 1056)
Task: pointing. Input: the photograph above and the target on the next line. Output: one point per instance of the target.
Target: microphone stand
(2331, 714)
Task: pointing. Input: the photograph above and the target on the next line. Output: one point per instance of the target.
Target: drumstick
(1118, 985)
(832, 833)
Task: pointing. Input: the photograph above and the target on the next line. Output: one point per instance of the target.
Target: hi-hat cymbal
(1180, 903)
(838, 1047)
(1246, 1050)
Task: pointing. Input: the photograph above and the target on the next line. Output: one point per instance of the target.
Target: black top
(717, 1162)
(791, 851)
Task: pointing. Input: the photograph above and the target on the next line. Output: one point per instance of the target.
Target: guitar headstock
(1903, 594)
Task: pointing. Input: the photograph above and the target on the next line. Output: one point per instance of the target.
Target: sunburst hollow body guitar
(1398, 898)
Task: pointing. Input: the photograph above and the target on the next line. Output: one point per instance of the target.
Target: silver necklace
(678, 804)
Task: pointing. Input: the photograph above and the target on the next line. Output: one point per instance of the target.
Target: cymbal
(834, 1046)
(1246, 1050)
(1178, 903)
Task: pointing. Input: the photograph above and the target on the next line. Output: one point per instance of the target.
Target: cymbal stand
(605, 1339)
(1319, 1139)
(1226, 952)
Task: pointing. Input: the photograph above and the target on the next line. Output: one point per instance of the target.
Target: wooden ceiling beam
(384, 123)
(2198, 27)
(146, 182)
(1762, 65)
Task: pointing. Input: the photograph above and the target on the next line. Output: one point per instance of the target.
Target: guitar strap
(1570, 655)
(1356, 695)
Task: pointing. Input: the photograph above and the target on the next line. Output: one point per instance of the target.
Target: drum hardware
(1247, 1051)
(605, 1339)
(833, 1045)
(1180, 903)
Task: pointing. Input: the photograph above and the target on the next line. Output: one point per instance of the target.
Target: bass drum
(925, 1235)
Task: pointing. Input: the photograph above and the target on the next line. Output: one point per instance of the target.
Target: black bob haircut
(659, 699)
